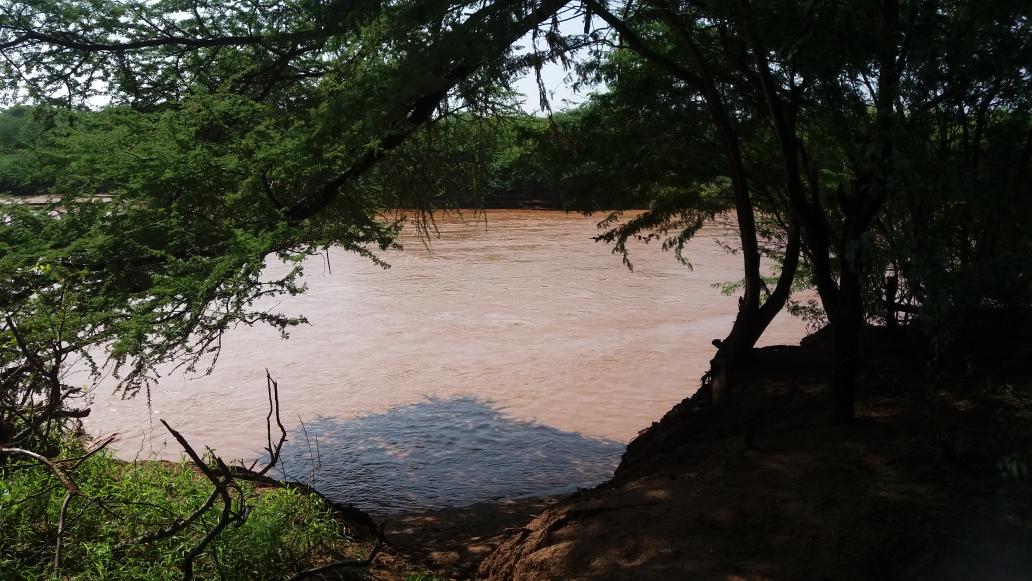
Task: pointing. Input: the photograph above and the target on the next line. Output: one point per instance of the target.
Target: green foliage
(644, 143)
(895, 136)
(898, 134)
(233, 133)
(19, 130)
(635, 147)
(1015, 466)
(156, 247)
(455, 162)
(959, 237)
(285, 531)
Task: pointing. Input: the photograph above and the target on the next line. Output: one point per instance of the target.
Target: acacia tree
(246, 126)
(232, 132)
(650, 142)
(845, 92)
(692, 66)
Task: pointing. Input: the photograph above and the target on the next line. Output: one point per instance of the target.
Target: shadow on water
(443, 452)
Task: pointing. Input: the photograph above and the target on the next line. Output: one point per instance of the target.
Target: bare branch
(274, 409)
(65, 480)
(173, 528)
(221, 483)
(339, 565)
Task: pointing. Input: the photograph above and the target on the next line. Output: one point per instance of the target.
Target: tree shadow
(443, 452)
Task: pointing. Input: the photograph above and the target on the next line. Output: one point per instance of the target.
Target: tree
(699, 77)
(844, 92)
(232, 132)
(249, 129)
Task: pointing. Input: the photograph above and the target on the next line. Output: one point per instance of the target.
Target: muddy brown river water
(510, 359)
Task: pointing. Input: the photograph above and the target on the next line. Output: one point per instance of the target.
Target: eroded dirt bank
(911, 490)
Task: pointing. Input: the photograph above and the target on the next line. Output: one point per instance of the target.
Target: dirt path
(452, 542)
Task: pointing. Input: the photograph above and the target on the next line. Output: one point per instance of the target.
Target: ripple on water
(529, 358)
(443, 452)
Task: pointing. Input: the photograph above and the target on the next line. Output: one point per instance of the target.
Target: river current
(512, 357)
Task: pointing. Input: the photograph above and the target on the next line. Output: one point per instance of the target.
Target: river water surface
(512, 358)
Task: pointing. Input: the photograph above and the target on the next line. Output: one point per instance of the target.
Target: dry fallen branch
(65, 480)
(274, 450)
(222, 484)
(223, 479)
(173, 527)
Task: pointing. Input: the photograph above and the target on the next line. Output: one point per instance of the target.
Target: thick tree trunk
(847, 320)
(730, 362)
(727, 366)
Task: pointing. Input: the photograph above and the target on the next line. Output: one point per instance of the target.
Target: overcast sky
(558, 87)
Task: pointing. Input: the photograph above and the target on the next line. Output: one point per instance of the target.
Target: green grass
(285, 531)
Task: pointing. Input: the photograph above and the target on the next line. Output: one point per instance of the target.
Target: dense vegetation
(879, 152)
(285, 532)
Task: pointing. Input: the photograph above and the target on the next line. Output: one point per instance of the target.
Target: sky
(557, 81)
(558, 87)
(557, 84)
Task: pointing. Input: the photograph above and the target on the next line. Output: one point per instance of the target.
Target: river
(511, 358)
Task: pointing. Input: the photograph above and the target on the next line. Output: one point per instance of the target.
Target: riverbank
(914, 489)
(931, 481)
(923, 485)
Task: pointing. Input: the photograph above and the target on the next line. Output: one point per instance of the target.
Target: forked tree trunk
(754, 315)
(730, 364)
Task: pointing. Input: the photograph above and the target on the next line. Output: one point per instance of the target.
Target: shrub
(285, 531)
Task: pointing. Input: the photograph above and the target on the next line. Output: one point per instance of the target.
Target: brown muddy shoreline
(912, 490)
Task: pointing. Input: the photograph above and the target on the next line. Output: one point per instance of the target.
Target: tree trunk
(726, 367)
(729, 363)
(846, 326)
(847, 367)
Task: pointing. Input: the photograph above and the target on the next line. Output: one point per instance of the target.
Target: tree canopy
(855, 143)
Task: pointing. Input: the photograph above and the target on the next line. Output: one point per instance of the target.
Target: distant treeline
(511, 161)
(20, 131)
